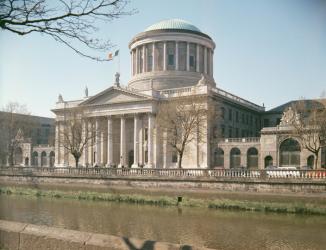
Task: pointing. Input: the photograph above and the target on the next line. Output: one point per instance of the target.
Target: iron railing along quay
(165, 173)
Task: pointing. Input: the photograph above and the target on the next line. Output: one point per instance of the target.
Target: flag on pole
(111, 55)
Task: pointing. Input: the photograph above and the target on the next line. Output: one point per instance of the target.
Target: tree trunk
(180, 160)
(76, 161)
(316, 161)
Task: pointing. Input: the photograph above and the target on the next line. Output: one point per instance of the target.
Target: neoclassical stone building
(170, 59)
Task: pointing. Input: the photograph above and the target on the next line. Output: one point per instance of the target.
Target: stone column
(164, 56)
(211, 66)
(141, 143)
(144, 61)
(153, 58)
(132, 63)
(122, 142)
(165, 149)
(57, 143)
(176, 55)
(150, 140)
(40, 159)
(197, 57)
(90, 143)
(188, 65)
(136, 62)
(97, 142)
(85, 136)
(110, 143)
(205, 60)
(136, 142)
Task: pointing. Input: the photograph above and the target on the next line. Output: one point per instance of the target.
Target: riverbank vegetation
(259, 206)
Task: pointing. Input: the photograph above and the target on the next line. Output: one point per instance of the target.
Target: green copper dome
(175, 24)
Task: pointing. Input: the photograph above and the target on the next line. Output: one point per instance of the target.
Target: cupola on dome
(174, 24)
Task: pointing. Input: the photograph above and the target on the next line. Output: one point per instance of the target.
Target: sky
(267, 51)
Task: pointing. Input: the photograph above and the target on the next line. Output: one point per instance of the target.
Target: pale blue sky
(266, 51)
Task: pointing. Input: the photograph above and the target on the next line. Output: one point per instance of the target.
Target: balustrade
(166, 173)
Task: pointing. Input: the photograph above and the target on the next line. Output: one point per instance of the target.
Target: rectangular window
(230, 114)
(223, 112)
(146, 134)
(236, 116)
(230, 132)
(174, 156)
(171, 60)
(191, 61)
(237, 133)
(223, 131)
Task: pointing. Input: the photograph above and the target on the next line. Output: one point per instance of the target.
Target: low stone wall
(285, 186)
(16, 235)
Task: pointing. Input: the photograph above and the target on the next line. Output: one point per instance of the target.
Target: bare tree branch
(72, 22)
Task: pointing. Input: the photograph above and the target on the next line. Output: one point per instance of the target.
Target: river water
(201, 227)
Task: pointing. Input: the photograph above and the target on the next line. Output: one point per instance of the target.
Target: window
(236, 116)
(230, 114)
(219, 157)
(146, 134)
(252, 158)
(230, 132)
(236, 132)
(191, 61)
(171, 60)
(223, 112)
(174, 156)
(266, 122)
(223, 131)
(243, 118)
(235, 158)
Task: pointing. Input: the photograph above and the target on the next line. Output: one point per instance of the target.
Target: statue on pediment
(86, 92)
(60, 99)
(289, 117)
(117, 79)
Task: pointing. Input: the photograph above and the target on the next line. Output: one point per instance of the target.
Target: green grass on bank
(261, 206)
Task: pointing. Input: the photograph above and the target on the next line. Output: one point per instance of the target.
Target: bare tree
(14, 121)
(76, 135)
(310, 125)
(71, 22)
(183, 120)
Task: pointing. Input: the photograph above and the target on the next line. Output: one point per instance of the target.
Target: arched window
(18, 156)
(235, 158)
(130, 158)
(268, 161)
(290, 153)
(219, 157)
(26, 161)
(35, 159)
(311, 161)
(43, 159)
(252, 158)
(51, 160)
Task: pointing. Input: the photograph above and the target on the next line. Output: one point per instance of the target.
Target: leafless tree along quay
(183, 121)
(73, 23)
(77, 134)
(12, 129)
(309, 123)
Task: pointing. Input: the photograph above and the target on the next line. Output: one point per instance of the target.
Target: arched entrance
(290, 153)
(235, 158)
(219, 157)
(51, 159)
(35, 159)
(252, 158)
(268, 161)
(18, 156)
(311, 161)
(26, 161)
(43, 159)
(130, 158)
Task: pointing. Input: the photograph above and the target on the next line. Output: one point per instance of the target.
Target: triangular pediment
(115, 95)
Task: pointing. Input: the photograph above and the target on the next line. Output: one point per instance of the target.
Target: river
(201, 227)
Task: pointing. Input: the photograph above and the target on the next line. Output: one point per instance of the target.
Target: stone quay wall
(253, 185)
(16, 235)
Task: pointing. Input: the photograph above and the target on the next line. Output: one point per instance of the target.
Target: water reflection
(201, 227)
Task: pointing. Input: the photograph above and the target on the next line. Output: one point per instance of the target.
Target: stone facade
(168, 60)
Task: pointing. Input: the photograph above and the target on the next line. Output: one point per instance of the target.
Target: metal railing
(165, 173)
